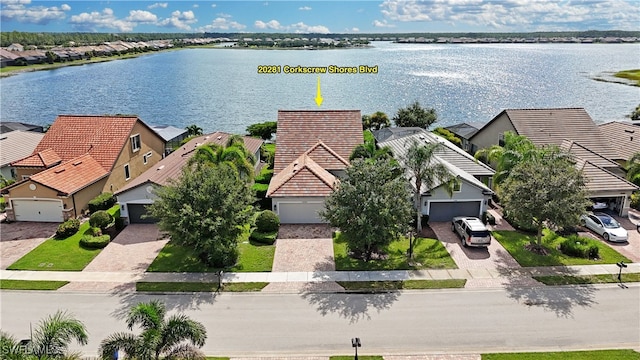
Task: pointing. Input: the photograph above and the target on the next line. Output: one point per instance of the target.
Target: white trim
(127, 169)
(145, 157)
(132, 142)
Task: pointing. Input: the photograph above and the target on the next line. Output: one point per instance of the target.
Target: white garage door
(300, 213)
(42, 210)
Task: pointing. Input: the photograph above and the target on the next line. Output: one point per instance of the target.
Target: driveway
(19, 238)
(631, 248)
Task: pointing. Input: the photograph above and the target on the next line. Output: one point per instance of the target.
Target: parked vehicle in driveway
(605, 226)
(471, 230)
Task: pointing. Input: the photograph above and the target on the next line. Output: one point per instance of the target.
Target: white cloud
(304, 28)
(355, 29)
(213, 5)
(104, 20)
(273, 24)
(226, 16)
(382, 24)
(519, 15)
(304, 8)
(195, 6)
(179, 20)
(16, 10)
(157, 5)
(221, 23)
(141, 16)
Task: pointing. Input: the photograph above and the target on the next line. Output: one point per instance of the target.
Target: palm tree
(50, 340)
(516, 148)
(176, 337)
(194, 130)
(236, 155)
(369, 150)
(633, 169)
(425, 169)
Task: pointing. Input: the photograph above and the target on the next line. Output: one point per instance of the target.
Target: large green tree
(371, 206)
(515, 149)
(415, 115)
(421, 163)
(50, 340)
(176, 337)
(545, 190)
(375, 121)
(633, 169)
(369, 150)
(263, 130)
(205, 210)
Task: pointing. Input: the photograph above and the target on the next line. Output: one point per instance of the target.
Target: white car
(471, 231)
(605, 226)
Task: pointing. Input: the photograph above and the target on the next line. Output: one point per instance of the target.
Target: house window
(457, 186)
(145, 158)
(501, 139)
(135, 142)
(127, 174)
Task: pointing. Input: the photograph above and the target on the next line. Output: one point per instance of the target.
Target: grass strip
(402, 285)
(361, 357)
(586, 279)
(31, 284)
(624, 354)
(198, 287)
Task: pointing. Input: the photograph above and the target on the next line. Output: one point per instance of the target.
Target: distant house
(573, 130)
(137, 194)
(78, 158)
(8, 126)
(172, 135)
(16, 145)
(623, 137)
(470, 197)
(312, 153)
(15, 47)
(464, 131)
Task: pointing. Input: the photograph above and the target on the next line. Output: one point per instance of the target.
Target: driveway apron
(18, 238)
(631, 248)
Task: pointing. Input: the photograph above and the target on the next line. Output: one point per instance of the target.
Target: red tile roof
(326, 157)
(299, 130)
(103, 137)
(71, 176)
(303, 177)
(45, 159)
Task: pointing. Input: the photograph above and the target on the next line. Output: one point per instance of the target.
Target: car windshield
(609, 223)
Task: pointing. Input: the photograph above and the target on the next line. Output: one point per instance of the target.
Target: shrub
(579, 247)
(267, 222)
(635, 200)
(68, 228)
(119, 222)
(100, 219)
(264, 177)
(93, 231)
(102, 202)
(264, 238)
(94, 242)
(491, 219)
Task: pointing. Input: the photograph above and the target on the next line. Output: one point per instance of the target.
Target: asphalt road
(412, 322)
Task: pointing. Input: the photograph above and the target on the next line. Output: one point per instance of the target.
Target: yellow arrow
(319, 94)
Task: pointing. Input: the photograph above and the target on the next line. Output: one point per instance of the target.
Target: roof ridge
(573, 142)
(610, 173)
(287, 174)
(329, 149)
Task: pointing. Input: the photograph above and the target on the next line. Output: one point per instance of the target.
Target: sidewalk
(314, 276)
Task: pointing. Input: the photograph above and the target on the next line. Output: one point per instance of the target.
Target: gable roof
(581, 152)
(463, 130)
(459, 163)
(16, 145)
(326, 157)
(552, 126)
(45, 159)
(599, 179)
(103, 137)
(303, 177)
(168, 132)
(71, 176)
(299, 130)
(171, 166)
(623, 137)
(8, 126)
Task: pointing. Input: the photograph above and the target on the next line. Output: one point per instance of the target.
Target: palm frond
(148, 315)
(53, 334)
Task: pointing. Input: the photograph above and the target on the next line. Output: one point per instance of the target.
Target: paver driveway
(19, 238)
(631, 248)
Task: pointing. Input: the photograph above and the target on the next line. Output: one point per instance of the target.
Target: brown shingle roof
(45, 158)
(624, 138)
(303, 177)
(581, 152)
(299, 130)
(171, 166)
(552, 126)
(326, 157)
(72, 175)
(599, 179)
(103, 137)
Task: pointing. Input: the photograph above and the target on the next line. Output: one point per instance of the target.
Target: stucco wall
(137, 195)
(468, 192)
(490, 134)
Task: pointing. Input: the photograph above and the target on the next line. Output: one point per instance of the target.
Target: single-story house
(464, 131)
(312, 152)
(137, 194)
(8, 126)
(16, 145)
(624, 138)
(470, 198)
(80, 157)
(573, 130)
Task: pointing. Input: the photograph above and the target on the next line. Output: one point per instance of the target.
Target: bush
(93, 231)
(119, 223)
(100, 219)
(579, 247)
(490, 219)
(95, 242)
(102, 202)
(264, 238)
(68, 228)
(635, 200)
(267, 222)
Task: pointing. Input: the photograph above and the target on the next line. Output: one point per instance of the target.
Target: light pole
(355, 342)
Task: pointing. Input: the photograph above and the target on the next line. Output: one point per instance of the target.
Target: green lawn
(61, 254)
(586, 279)
(514, 242)
(198, 287)
(567, 355)
(31, 284)
(428, 254)
(254, 257)
(374, 286)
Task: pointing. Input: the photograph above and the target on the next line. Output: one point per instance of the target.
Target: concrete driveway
(19, 238)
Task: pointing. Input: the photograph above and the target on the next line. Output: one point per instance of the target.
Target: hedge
(580, 247)
(267, 221)
(103, 201)
(67, 228)
(264, 238)
(95, 242)
(100, 219)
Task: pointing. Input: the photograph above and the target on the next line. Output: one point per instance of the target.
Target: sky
(389, 16)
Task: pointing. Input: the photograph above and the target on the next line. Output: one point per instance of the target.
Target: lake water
(220, 89)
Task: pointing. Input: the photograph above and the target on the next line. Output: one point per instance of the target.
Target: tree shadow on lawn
(561, 300)
(353, 306)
